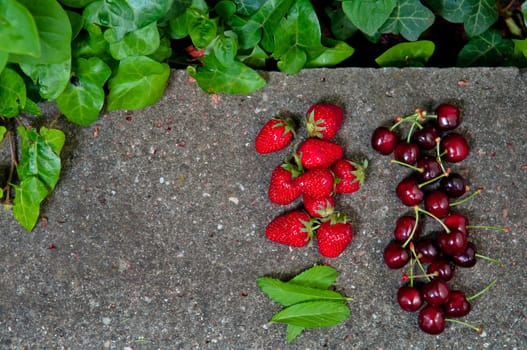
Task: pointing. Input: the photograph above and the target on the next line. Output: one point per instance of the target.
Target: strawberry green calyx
(287, 123)
(314, 127)
(310, 226)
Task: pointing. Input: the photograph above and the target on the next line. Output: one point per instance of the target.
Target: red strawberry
(282, 189)
(349, 175)
(293, 228)
(334, 236)
(324, 120)
(318, 183)
(317, 153)
(319, 208)
(275, 135)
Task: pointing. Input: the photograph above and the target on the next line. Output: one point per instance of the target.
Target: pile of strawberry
(315, 172)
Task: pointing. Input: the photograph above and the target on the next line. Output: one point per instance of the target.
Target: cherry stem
(444, 174)
(445, 227)
(477, 329)
(489, 286)
(496, 261)
(416, 258)
(395, 161)
(467, 198)
(411, 236)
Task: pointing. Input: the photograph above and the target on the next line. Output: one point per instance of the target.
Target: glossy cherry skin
(455, 147)
(457, 305)
(427, 250)
(426, 137)
(453, 243)
(467, 258)
(384, 140)
(409, 192)
(409, 298)
(453, 185)
(431, 319)
(443, 267)
(406, 152)
(436, 292)
(448, 117)
(395, 256)
(404, 227)
(456, 221)
(437, 204)
(431, 168)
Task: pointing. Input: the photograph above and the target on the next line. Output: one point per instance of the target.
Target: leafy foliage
(91, 55)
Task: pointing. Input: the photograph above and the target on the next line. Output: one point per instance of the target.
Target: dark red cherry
(406, 152)
(467, 258)
(437, 204)
(448, 117)
(404, 227)
(409, 192)
(452, 243)
(443, 267)
(409, 298)
(436, 292)
(384, 140)
(457, 305)
(395, 256)
(431, 319)
(455, 147)
(431, 168)
(457, 222)
(427, 250)
(426, 137)
(453, 185)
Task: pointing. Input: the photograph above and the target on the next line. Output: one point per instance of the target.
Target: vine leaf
(318, 276)
(26, 205)
(409, 18)
(368, 15)
(12, 93)
(3, 131)
(140, 42)
(410, 54)
(50, 78)
(313, 314)
(487, 49)
(18, 32)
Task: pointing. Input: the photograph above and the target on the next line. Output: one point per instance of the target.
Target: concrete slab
(159, 216)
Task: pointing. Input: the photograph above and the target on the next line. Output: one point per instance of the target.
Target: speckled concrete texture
(158, 221)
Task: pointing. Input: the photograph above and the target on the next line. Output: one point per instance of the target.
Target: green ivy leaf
(76, 22)
(12, 93)
(3, 131)
(248, 7)
(76, 3)
(18, 32)
(54, 31)
(32, 108)
(368, 15)
(202, 31)
(232, 78)
(26, 205)
(338, 52)
(164, 50)
(54, 138)
(180, 25)
(313, 314)
(140, 42)
(114, 14)
(83, 98)
(256, 58)
(487, 49)
(411, 54)
(318, 276)
(139, 82)
(225, 46)
(3, 60)
(90, 43)
(51, 79)
(341, 26)
(409, 18)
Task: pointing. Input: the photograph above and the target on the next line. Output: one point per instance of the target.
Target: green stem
(467, 198)
(412, 249)
(489, 286)
(497, 228)
(496, 261)
(416, 211)
(395, 161)
(477, 329)
(445, 227)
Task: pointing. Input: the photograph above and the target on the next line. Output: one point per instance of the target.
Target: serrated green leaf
(488, 49)
(18, 32)
(51, 79)
(318, 276)
(140, 42)
(232, 78)
(26, 205)
(12, 93)
(411, 54)
(341, 26)
(292, 332)
(368, 15)
(55, 138)
(313, 314)
(338, 52)
(409, 18)
(54, 32)
(38, 158)
(139, 82)
(288, 294)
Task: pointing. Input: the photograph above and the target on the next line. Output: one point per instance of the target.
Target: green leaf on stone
(18, 32)
(54, 138)
(26, 205)
(54, 31)
(138, 83)
(318, 276)
(116, 15)
(487, 49)
(313, 314)
(338, 52)
(3, 131)
(292, 332)
(409, 18)
(368, 15)
(31, 108)
(410, 54)
(12, 93)
(140, 42)
(51, 79)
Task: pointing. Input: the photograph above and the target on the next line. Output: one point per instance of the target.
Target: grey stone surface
(158, 221)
